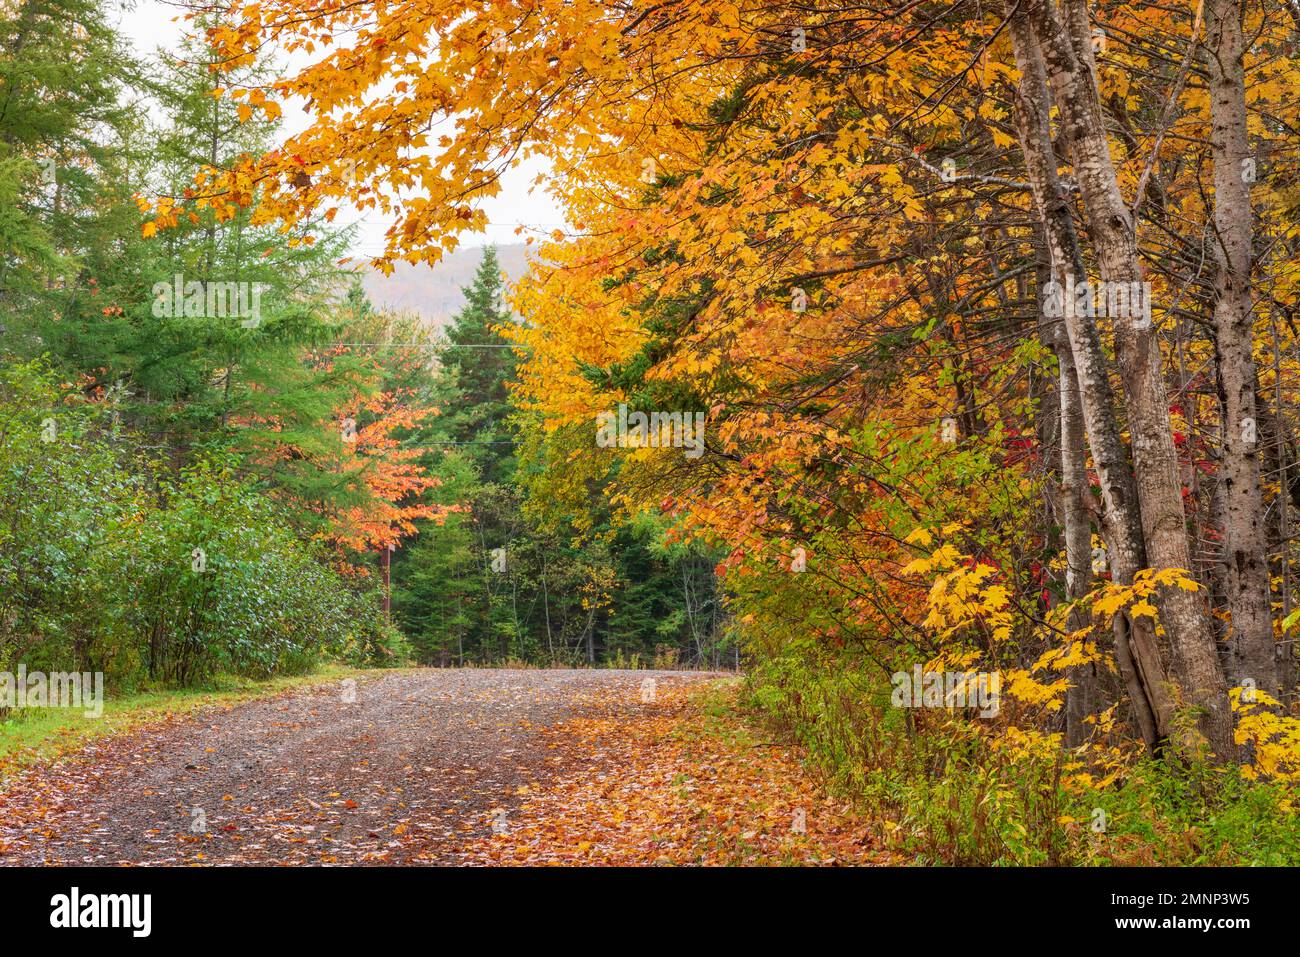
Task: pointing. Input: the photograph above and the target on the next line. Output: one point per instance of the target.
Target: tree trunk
(1244, 535)
(1078, 537)
(1136, 651)
(1065, 41)
(1061, 431)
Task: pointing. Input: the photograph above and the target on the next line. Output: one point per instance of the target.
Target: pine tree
(482, 363)
(59, 154)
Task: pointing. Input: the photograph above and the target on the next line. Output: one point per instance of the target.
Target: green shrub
(110, 562)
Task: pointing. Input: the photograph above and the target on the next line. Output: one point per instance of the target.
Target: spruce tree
(482, 363)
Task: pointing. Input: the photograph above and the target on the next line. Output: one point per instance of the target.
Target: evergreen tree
(64, 120)
(482, 363)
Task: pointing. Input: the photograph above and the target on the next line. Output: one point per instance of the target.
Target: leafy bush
(110, 562)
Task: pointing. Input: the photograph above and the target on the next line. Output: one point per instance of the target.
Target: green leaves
(108, 562)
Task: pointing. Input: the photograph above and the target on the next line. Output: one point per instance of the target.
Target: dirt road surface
(405, 768)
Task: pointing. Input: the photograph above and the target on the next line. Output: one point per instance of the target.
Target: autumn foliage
(831, 230)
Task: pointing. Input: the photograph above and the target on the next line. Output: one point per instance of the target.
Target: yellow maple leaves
(1135, 599)
(1271, 737)
(964, 592)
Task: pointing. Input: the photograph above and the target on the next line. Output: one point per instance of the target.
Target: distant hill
(434, 292)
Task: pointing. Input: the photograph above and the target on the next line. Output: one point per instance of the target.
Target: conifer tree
(482, 363)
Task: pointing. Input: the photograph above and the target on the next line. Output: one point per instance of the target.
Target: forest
(219, 456)
(930, 368)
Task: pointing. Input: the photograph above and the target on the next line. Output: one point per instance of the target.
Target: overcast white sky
(151, 24)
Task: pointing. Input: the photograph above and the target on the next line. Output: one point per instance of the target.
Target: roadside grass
(34, 736)
(937, 793)
(719, 717)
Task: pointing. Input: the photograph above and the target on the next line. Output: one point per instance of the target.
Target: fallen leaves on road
(677, 780)
(421, 763)
(439, 767)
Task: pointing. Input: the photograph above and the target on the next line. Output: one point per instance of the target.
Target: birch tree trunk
(1078, 533)
(1245, 537)
(1136, 650)
(1065, 40)
(1061, 436)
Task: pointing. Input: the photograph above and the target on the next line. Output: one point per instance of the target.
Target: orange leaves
(660, 783)
(390, 473)
(390, 75)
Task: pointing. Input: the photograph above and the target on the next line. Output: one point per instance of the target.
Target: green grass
(941, 796)
(39, 735)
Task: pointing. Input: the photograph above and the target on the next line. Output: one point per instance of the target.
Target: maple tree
(388, 472)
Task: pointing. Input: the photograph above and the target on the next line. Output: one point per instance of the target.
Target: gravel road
(403, 768)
